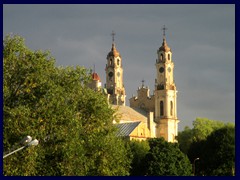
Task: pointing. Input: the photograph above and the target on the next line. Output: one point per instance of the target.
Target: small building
(96, 83)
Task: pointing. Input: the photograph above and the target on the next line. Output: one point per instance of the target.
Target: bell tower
(165, 94)
(114, 76)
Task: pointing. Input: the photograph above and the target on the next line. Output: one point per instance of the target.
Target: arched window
(118, 62)
(110, 62)
(161, 57)
(171, 105)
(161, 108)
(168, 56)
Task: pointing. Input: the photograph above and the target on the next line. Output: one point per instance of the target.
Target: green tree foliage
(202, 128)
(166, 159)
(196, 143)
(216, 153)
(72, 123)
(185, 138)
(139, 149)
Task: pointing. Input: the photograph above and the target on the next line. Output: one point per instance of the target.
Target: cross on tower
(113, 34)
(164, 29)
(143, 83)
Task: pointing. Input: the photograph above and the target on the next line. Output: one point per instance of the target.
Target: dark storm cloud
(202, 39)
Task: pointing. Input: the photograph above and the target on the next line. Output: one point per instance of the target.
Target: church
(148, 116)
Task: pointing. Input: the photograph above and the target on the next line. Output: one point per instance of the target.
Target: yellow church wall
(141, 132)
(143, 100)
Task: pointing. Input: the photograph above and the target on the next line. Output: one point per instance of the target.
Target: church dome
(164, 46)
(96, 77)
(113, 52)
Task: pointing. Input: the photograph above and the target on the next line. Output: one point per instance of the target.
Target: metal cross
(113, 34)
(164, 29)
(143, 82)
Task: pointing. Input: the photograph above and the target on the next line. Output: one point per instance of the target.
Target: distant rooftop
(95, 76)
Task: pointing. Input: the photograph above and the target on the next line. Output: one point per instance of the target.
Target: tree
(53, 104)
(219, 155)
(202, 128)
(216, 153)
(185, 139)
(139, 149)
(195, 156)
(166, 159)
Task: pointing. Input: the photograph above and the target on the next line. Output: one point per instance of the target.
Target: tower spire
(113, 34)
(143, 82)
(164, 46)
(164, 31)
(114, 76)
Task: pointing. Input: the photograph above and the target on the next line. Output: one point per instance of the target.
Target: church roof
(164, 46)
(128, 114)
(125, 129)
(113, 52)
(95, 76)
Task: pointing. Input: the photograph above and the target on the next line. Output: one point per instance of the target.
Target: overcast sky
(202, 39)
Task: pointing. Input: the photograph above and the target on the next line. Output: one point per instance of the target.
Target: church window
(118, 62)
(161, 58)
(171, 105)
(110, 62)
(110, 91)
(160, 87)
(168, 56)
(161, 108)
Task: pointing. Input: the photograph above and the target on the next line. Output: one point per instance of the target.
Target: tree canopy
(166, 159)
(217, 155)
(202, 128)
(53, 104)
(139, 149)
(211, 141)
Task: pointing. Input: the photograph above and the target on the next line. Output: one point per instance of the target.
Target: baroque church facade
(148, 116)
